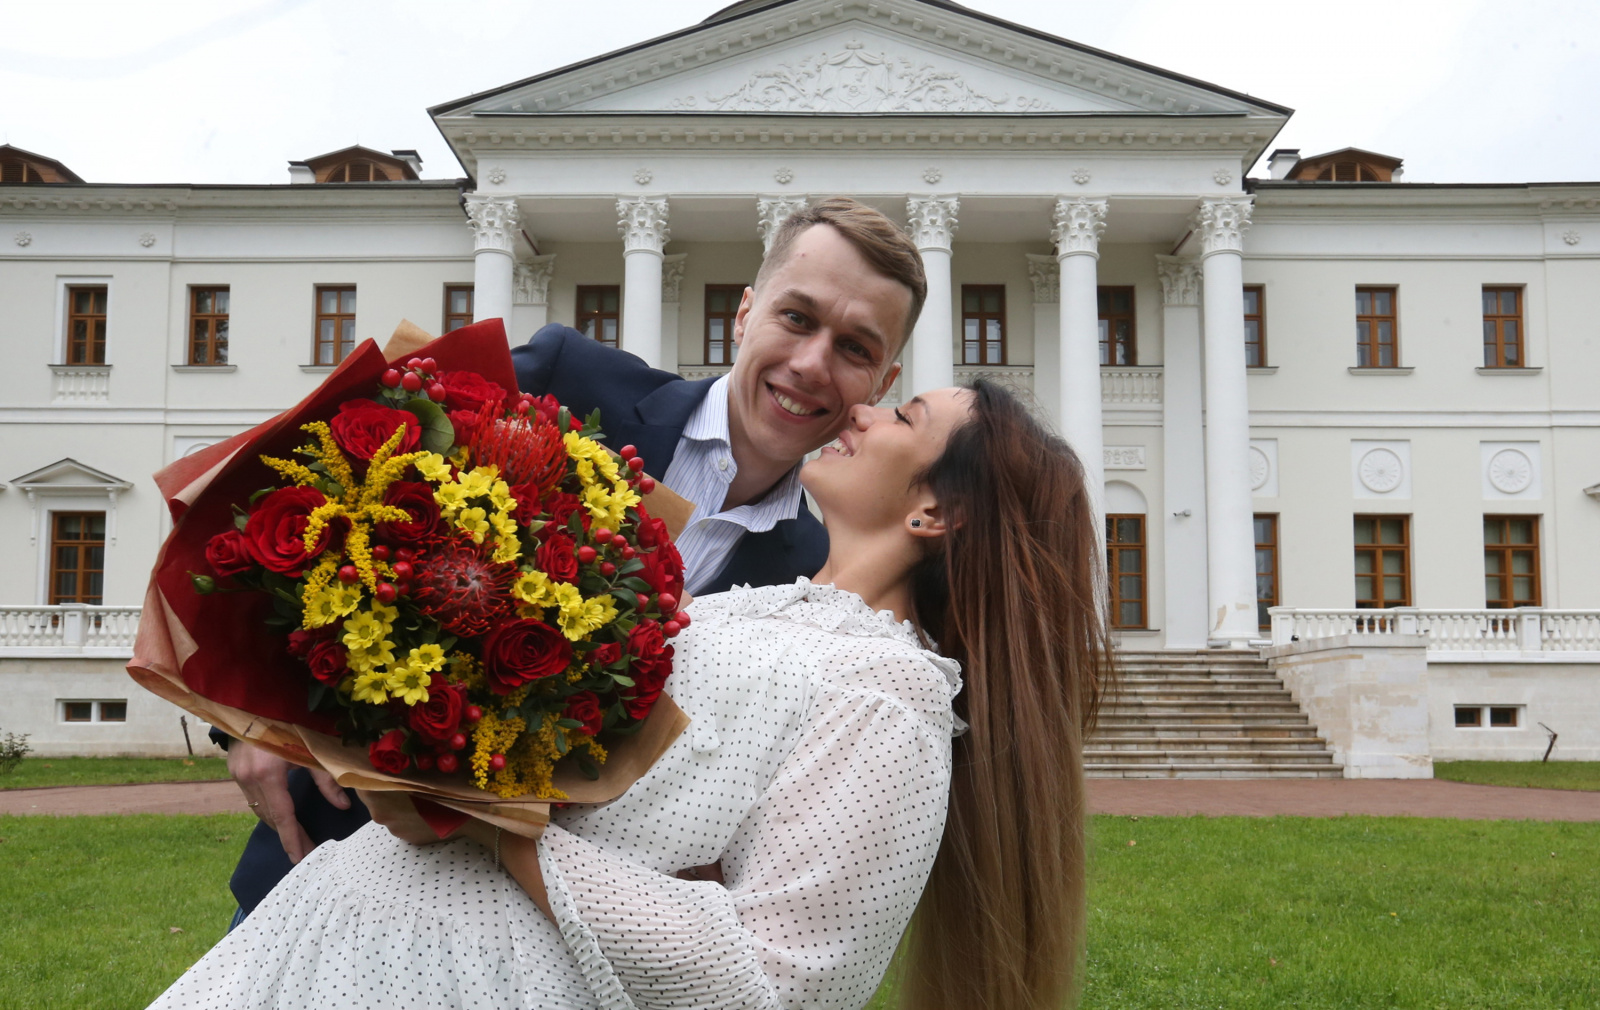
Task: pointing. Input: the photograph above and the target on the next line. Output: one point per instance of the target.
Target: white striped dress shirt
(702, 469)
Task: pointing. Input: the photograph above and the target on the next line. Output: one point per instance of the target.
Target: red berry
(424, 762)
(644, 601)
(587, 554)
(436, 391)
(607, 569)
(448, 763)
(603, 535)
(380, 552)
(496, 762)
(628, 452)
(405, 554)
(349, 575)
(414, 364)
(647, 484)
(429, 365)
(391, 378)
(628, 552)
(522, 408)
(682, 617)
(403, 588)
(474, 713)
(458, 741)
(636, 464)
(385, 593)
(668, 602)
(671, 628)
(411, 382)
(403, 570)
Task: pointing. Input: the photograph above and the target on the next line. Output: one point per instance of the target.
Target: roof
(39, 160)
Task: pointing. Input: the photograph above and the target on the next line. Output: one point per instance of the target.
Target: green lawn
(34, 772)
(1536, 774)
(1250, 913)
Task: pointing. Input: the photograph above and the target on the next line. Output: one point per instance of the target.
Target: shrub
(13, 748)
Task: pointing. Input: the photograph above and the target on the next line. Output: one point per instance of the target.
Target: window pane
(1522, 588)
(1364, 303)
(78, 711)
(1489, 302)
(1469, 716)
(1493, 531)
(219, 343)
(1363, 587)
(1386, 357)
(203, 300)
(1252, 301)
(1130, 561)
(1508, 302)
(611, 296)
(1393, 531)
(1491, 588)
(347, 301)
(1365, 531)
(1521, 531)
(347, 335)
(1129, 531)
(1393, 563)
(1492, 562)
(1502, 716)
(1130, 587)
(222, 300)
(113, 711)
(1129, 616)
(1393, 589)
(1383, 302)
(329, 302)
(969, 301)
(611, 331)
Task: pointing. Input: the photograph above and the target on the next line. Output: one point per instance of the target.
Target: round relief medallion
(1510, 471)
(1380, 471)
(1260, 469)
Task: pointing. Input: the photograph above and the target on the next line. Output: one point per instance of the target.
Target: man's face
(816, 340)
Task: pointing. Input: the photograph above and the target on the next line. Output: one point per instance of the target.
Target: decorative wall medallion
(931, 175)
(1222, 176)
(497, 175)
(1381, 471)
(1571, 237)
(643, 176)
(147, 239)
(1260, 469)
(1510, 471)
(23, 238)
(783, 176)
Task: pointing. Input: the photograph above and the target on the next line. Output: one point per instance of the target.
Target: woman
(806, 804)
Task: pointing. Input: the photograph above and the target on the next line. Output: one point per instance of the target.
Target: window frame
(1108, 340)
(470, 316)
(1263, 619)
(317, 343)
(1378, 550)
(982, 318)
(96, 711)
(1498, 321)
(90, 343)
(211, 319)
(1114, 550)
(1507, 574)
(735, 292)
(1260, 319)
(81, 570)
(580, 318)
(1371, 343)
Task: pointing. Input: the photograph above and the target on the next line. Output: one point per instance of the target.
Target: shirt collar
(709, 423)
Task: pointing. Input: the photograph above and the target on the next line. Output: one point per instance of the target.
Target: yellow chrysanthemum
(409, 683)
(587, 616)
(474, 522)
(477, 482)
(536, 589)
(373, 659)
(363, 630)
(451, 497)
(428, 658)
(433, 467)
(372, 688)
(507, 551)
(500, 495)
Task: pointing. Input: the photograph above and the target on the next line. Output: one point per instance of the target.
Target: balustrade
(1514, 633)
(70, 629)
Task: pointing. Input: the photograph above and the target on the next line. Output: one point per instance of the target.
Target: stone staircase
(1203, 714)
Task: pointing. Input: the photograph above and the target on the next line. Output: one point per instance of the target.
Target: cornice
(165, 200)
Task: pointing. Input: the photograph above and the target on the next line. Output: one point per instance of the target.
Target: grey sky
(229, 90)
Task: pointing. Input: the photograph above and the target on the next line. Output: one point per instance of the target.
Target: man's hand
(263, 777)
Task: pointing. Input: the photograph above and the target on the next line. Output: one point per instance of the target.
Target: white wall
(32, 690)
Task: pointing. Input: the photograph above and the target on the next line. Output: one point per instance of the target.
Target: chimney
(1283, 161)
(300, 172)
(411, 158)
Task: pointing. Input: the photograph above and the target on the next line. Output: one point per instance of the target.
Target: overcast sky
(230, 90)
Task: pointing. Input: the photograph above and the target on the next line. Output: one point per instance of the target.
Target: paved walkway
(1139, 797)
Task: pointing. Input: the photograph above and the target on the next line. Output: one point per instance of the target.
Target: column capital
(494, 221)
(642, 223)
(932, 220)
(1079, 223)
(1180, 280)
(531, 279)
(672, 277)
(1045, 272)
(1221, 223)
(772, 211)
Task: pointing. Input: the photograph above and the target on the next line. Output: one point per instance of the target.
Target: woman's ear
(926, 521)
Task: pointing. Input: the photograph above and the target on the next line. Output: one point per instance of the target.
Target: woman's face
(863, 478)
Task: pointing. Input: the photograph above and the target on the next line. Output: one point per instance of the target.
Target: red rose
(605, 655)
(663, 569)
(652, 663)
(465, 423)
(556, 558)
(276, 529)
(561, 506)
(517, 652)
(301, 640)
(417, 499)
(469, 391)
(652, 531)
(585, 708)
(328, 662)
(362, 426)
(386, 755)
(229, 553)
(438, 718)
(529, 504)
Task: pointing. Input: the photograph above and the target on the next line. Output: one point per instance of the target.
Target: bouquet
(424, 566)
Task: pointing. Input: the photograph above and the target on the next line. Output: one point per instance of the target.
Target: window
(1377, 338)
(722, 304)
(457, 306)
(95, 711)
(983, 324)
(77, 556)
(1255, 325)
(1266, 568)
(1383, 561)
(86, 325)
(17, 170)
(1502, 328)
(1117, 341)
(208, 326)
(1511, 561)
(1492, 716)
(357, 171)
(599, 312)
(336, 324)
(1125, 564)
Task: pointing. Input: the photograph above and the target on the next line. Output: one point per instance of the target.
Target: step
(1233, 697)
(1206, 743)
(1198, 757)
(1191, 771)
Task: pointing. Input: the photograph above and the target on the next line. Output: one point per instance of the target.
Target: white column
(772, 211)
(495, 227)
(1230, 532)
(671, 303)
(1079, 223)
(531, 295)
(1187, 624)
(932, 223)
(1045, 273)
(643, 224)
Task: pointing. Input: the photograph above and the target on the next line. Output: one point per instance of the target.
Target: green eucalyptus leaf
(438, 434)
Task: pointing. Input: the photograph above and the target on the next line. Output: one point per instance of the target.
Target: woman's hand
(395, 811)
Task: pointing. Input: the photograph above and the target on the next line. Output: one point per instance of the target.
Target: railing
(1018, 379)
(1523, 631)
(1130, 385)
(68, 629)
(82, 383)
(1120, 386)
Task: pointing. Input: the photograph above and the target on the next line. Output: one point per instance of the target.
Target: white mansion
(1367, 402)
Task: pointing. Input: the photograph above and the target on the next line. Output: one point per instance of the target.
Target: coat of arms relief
(856, 80)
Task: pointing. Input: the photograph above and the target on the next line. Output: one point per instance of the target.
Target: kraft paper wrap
(166, 646)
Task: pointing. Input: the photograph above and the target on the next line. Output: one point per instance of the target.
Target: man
(833, 304)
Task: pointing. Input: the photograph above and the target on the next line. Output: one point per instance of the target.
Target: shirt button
(722, 463)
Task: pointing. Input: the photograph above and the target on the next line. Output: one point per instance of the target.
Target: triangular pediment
(68, 474)
(831, 58)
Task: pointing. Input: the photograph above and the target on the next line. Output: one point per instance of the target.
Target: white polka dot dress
(816, 769)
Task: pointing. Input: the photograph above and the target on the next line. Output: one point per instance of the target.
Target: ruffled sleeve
(822, 876)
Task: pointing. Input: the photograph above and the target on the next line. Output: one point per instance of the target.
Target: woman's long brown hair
(1015, 595)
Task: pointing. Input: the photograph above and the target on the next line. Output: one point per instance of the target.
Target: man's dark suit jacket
(638, 404)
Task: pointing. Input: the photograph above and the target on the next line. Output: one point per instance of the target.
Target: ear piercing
(916, 524)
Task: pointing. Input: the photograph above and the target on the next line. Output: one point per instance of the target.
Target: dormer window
(358, 171)
(1349, 165)
(357, 164)
(19, 166)
(1349, 171)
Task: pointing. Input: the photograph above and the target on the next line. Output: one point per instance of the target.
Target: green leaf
(569, 724)
(622, 680)
(630, 566)
(587, 766)
(257, 496)
(317, 695)
(638, 585)
(438, 434)
(561, 743)
(240, 517)
(447, 643)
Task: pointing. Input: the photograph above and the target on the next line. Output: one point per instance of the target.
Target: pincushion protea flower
(460, 588)
(524, 450)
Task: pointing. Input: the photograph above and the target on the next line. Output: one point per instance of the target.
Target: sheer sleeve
(822, 875)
